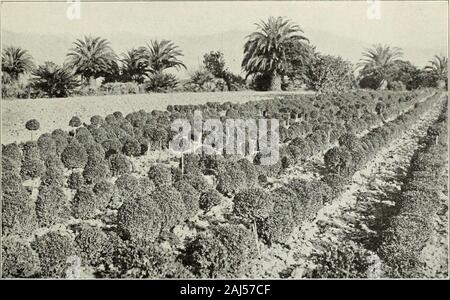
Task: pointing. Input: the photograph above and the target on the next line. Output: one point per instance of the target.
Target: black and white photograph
(231, 140)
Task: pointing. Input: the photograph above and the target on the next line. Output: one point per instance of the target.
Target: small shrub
(12, 151)
(103, 191)
(53, 249)
(18, 213)
(132, 147)
(75, 122)
(210, 198)
(119, 164)
(172, 206)
(252, 204)
(160, 175)
(85, 204)
(91, 242)
(347, 260)
(278, 226)
(52, 206)
(31, 168)
(224, 252)
(190, 197)
(140, 219)
(112, 146)
(75, 180)
(19, 260)
(74, 156)
(47, 146)
(95, 170)
(97, 120)
(32, 125)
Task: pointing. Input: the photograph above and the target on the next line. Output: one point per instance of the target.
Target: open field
(56, 113)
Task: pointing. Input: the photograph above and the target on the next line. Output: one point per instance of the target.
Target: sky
(415, 24)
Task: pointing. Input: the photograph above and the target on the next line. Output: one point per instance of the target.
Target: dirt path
(355, 216)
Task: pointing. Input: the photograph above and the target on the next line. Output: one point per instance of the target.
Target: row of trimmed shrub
(419, 201)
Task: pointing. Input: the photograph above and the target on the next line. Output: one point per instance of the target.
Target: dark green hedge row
(419, 200)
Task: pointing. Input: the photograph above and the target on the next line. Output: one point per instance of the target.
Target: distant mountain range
(53, 47)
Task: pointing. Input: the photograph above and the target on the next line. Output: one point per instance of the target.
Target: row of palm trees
(265, 53)
(93, 57)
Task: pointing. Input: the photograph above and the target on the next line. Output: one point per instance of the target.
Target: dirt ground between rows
(56, 113)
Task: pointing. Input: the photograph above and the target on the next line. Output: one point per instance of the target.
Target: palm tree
(438, 66)
(161, 55)
(52, 80)
(134, 65)
(265, 49)
(378, 61)
(91, 57)
(16, 61)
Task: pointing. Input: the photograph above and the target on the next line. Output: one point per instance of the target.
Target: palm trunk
(275, 82)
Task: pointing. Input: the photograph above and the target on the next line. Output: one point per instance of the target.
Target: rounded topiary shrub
(54, 248)
(53, 175)
(119, 164)
(75, 180)
(112, 146)
(210, 198)
(85, 204)
(95, 151)
(74, 156)
(103, 190)
(19, 260)
(12, 151)
(91, 242)
(95, 170)
(52, 205)
(223, 252)
(97, 120)
(230, 179)
(160, 175)
(277, 227)
(75, 122)
(99, 134)
(198, 182)
(32, 125)
(171, 204)
(10, 165)
(132, 147)
(140, 219)
(18, 213)
(83, 135)
(11, 183)
(60, 137)
(190, 197)
(30, 150)
(31, 168)
(252, 204)
(47, 145)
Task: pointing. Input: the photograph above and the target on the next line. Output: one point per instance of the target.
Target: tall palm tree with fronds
(161, 55)
(16, 61)
(134, 65)
(54, 81)
(265, 49)
(378, 61)
(91, 57)
(438, 66)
